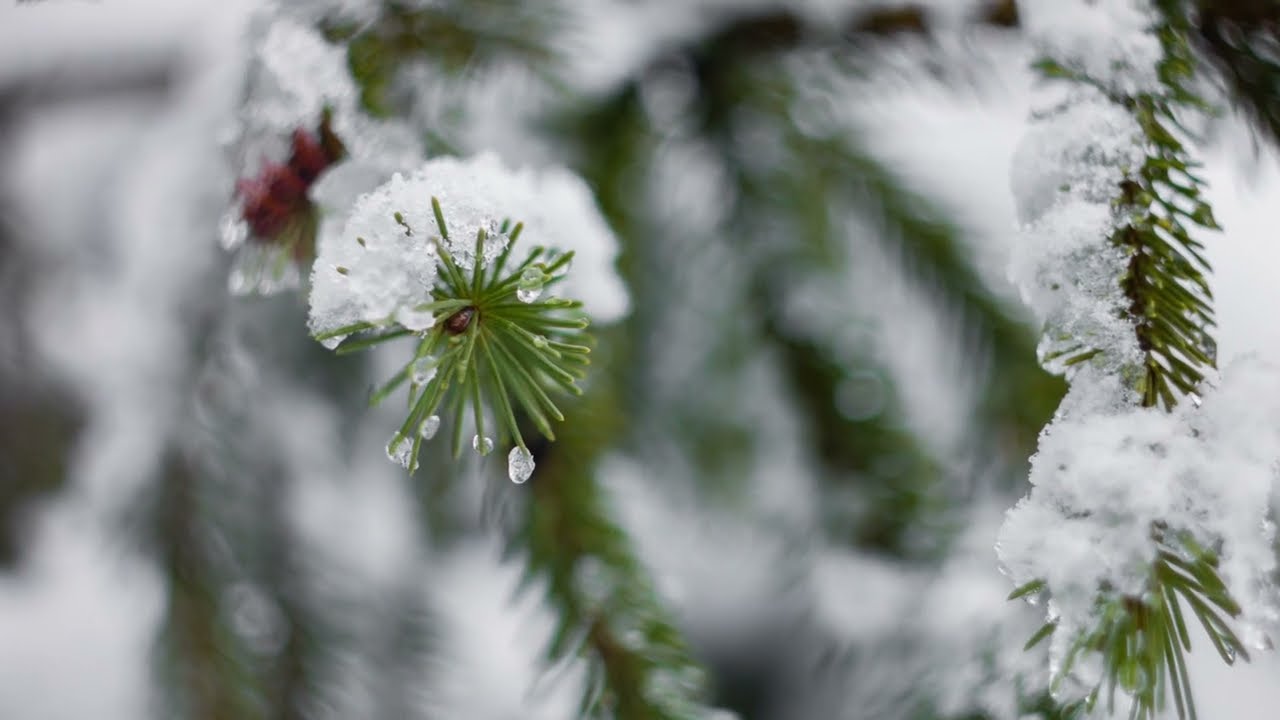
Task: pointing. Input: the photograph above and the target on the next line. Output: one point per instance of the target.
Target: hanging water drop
(400, 451)
(422, 371)
(519, 464)
(482, 445)
(238, 283)
(232, 230)
(429, 427)
(530, 286)
(332, 342)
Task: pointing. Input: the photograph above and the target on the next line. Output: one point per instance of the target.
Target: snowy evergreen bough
(488, 341)
(1149, 514)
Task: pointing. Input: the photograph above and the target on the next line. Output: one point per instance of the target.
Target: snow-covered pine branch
(1146, 512)
(459, 256)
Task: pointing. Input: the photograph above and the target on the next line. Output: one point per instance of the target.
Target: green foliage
(204, 663)
(489, 352)
(488, 348)
(1166, 284)
(1242, 38)
(1141, 639)
(38, 427)
(455, 36)
(638, 664)
(638, 667)
(1018, 396)
(822, 177)
(1166, 281)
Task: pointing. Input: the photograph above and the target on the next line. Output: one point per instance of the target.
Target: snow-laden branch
(435, 257)
(1145, 511)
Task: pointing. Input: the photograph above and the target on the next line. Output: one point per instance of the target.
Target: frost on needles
(473, 260)
(1148, 513)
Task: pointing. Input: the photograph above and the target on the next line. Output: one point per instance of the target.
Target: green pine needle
(494, 356)
(1143, 640)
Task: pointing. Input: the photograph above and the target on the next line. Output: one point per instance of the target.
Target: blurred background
(792, 456)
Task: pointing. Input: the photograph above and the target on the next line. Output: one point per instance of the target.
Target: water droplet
(530, 286)
(238, 283)
(423, 370)
(333, 342)
(400, 451)
(429, 427)
(519, 464)
(232, 229)
(482, 445)
(539, 341)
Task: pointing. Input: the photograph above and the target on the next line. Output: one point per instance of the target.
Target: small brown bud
(457, 323)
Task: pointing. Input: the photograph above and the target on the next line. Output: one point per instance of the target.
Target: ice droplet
(238, 283)
(530, 286)
(333, 342)
(519, 464)
(482, 445)
(429, 427)
(400, 451)
(423, 370)
(232, 230)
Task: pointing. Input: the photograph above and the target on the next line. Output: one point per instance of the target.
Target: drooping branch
(1113, 195)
